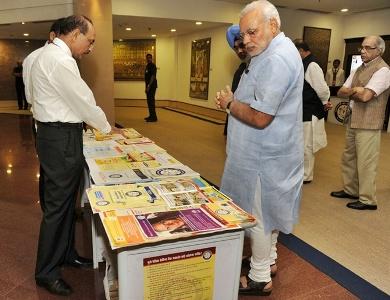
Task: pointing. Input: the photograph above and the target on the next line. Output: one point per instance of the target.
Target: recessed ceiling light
(27, 41)
(198, 23)
(121, 40)
(173, 30)
(344, 10)
(128, 28)
(23, 23)
(153, 35)
(26, 34)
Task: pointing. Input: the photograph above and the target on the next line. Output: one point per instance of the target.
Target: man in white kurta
(264, 166)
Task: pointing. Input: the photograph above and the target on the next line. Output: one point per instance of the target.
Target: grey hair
(380, 43)
(266, 8)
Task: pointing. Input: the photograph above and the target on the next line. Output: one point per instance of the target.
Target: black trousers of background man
(22, 102)
(151, 103)
(60, 152)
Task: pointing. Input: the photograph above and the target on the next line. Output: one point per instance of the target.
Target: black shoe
(151, 120)
(306, 181)
(342, 194)
(361, 206)
(58, 287)
(147, 118)
(81, 262)
(254, 288)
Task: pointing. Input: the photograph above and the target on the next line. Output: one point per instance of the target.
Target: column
(97, 67)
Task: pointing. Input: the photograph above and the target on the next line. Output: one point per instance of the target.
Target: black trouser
(59, 147)
(151, 103)
(22, 102)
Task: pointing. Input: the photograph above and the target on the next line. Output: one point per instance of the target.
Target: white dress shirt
(27, 65)
(315, 77)
(340, 77)
(59, 93)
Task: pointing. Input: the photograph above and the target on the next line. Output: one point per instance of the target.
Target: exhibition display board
(162, 220)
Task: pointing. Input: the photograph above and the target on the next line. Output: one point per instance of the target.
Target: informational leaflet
(127, 196)
(170, 223)
(93, 150)
(187, 275)
(139, 140)
(131, 133)
(121, 228)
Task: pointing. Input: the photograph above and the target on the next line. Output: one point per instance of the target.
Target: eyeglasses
(366, 48)
(90, 41)
(250, 32)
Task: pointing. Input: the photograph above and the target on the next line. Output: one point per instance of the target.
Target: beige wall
(203, 10)
(12, 11)
(369, 23)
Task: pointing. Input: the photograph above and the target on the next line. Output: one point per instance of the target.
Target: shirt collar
(60, 43)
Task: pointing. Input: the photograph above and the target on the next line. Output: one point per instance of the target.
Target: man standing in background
(335, 78)
(150, 87)
(368, 91)
(19, 85)
(315, 104)
(235, 42)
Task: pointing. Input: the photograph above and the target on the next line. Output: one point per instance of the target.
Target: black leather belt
(60, 124)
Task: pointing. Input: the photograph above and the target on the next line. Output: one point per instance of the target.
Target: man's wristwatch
(228, 106)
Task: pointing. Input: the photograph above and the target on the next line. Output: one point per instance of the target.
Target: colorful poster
(171, 223)
(185, 275)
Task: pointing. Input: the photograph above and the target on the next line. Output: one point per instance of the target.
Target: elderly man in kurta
(264, 166)
(368, 91)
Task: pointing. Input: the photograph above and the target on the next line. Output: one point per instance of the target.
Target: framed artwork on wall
(129, 58)
(200, 66)
(318, 40)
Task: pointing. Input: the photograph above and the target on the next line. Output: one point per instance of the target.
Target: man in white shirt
(315, 104)
(27, 64)
(335, 78)
(61, 102)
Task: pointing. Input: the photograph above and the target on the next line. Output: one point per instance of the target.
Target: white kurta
(273, 85)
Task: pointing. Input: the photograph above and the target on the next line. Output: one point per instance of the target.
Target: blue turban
(232, 34)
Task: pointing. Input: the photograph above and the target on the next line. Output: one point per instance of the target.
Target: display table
(164, 232)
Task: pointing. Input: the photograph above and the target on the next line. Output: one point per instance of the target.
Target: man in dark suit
(235, 42)
(150, 87)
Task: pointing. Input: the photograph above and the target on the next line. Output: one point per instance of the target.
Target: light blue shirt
(273, 85)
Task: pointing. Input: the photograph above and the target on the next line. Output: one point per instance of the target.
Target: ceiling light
(344, 10)
(23, 23)
(153, 35)
(26, 34)
(198, 23)
(27, 41)
(121, 40)
(128, 28)
(173, 30)
(9, 165)
(9, 171)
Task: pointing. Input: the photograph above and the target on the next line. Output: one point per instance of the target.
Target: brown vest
(371, 114)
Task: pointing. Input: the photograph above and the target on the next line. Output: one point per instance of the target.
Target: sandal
(255, 288)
